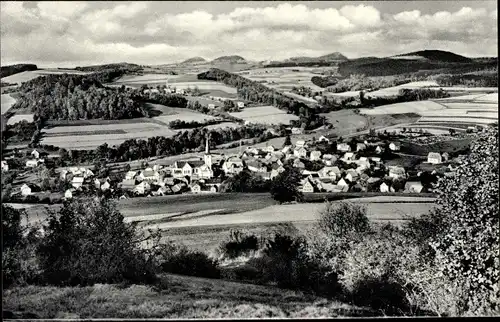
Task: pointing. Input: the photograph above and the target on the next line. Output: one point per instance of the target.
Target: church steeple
(208, 157)
(207, 144)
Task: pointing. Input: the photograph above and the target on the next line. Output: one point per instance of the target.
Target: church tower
(208, 156)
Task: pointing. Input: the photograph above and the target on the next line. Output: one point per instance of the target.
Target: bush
(181, 260)
(343, 218)
(239, 244)
(88, 242)
(284, 187)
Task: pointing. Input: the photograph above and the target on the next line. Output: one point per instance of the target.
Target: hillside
(437, 55)
(14, 69)
(233, 59)
(336, 56)
(179, 297)
(426, 61)
(194, 60)
(125, 66)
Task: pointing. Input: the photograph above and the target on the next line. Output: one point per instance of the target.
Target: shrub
(239, 244)
(284, 187)
(181, 260)
(88, 242)
(343, 218)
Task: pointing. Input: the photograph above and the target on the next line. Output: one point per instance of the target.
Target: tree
(285, 186)
(468, 249)
(288, 141)
(88, 242)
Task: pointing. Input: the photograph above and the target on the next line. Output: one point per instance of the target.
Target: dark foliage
(284, 187)
(239, 244)
(181, 260)
(14, 69)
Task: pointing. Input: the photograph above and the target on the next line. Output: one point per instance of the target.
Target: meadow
(393, 91)
(19, 117)
(91, 136)
(285, 78)
(264, 114)
(174, 297)
(346, 121)
(7, 102)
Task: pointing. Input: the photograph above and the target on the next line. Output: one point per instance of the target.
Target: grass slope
(177, 297)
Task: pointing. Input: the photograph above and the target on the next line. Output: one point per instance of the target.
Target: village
(325, 164)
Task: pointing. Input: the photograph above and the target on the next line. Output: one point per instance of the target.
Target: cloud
(149, 33)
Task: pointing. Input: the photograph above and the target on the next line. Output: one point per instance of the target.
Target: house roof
(192, 163)
(77, 180)
(434, 155)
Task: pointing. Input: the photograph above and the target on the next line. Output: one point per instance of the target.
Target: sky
(69, 34)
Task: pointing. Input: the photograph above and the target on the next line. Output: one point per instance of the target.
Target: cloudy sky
(67, 34)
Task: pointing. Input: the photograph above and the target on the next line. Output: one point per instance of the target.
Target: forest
(74, 97)
(14, 69)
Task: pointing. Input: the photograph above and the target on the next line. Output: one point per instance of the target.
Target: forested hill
(14, 69)
(259, 93)
(73, 97)
(118, 66)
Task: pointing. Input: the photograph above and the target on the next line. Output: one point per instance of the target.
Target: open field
(182, 297)
(342, 94)
(91, 136)
(393, 91)
(265, 114)
(283, 78)
(204, 100)
(19, 117)
(29, 75)
(152, 79)
(7, 102)
(417, 107)
(346, 121)
(168, 114)
(300, 98)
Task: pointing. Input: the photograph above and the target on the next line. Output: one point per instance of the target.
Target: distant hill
(336, 56)
(194, 60)
(436, 55)
(14, 69)
(233, 59)
(425, 61)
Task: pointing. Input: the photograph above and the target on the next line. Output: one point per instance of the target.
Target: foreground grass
(174, 297)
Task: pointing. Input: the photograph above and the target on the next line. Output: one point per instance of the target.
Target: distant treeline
(180, 124)
(358, 82)
(320, 63)
(324, 81)
(74, 97)
(14, 69)
(469, 80)
(182, 142)
(120, 66)
(388, 66)
(405, 95)
(253, 91)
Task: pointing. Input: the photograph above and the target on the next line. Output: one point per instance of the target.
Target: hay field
(418, 107)
(29, 75)
(146, 79)
(342, 94)
(346, 121)
(91, 136)
(300, 97)
(7, 102)
(265, 114)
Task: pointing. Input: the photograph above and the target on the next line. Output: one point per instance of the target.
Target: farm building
(130, 175)
(68, 194)
(434, 158)
(35, 154)
(349, 156)
(240, 104)
(342, 182)
(360, 147)
(300, 152)
(329, 172)
(384, 187)
(308, 186)
(127, 184)
(31, 163)
(28, 188)
(256, 166)
(297, 130)
(211, 106)
(397, 172)
(142, 188)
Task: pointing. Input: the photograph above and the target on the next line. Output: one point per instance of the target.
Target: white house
(315, 155)
(300, 152)
(31, 163)
(232, 165)
(349, 156)
(300, 144)
(360, 146)
(329, 172)
(296, 130)
(26, 190)
(77, 182)
(434, 158)
(256, 166)
(351, 176)
(413, 186)
(379, 149)
(395, 146)
(148, 174)
(130, 175)
(5, 166)
(240, 104)
(397, 172)
(308, 187)
(343, 147)
(342, 182)
(35, 154)
(211, 106)
(105, 186)
(270, 148)
(287, 149)
(68, 194)
(384, 187)
(203, 171)
(323, 139)
(142, 188)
